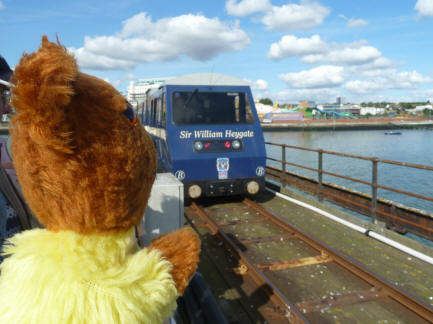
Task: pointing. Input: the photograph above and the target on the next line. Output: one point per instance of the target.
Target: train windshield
(194, 107)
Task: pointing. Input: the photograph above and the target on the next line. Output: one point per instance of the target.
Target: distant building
(329, 107)
(372, 111)
(262, 108)
(305, 104)
(343, 110)
(136, 91)
(341, 101)
(422, 108)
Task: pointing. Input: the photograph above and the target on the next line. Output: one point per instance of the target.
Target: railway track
(305, 280)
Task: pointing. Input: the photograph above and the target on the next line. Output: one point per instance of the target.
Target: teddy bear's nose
(129, 113)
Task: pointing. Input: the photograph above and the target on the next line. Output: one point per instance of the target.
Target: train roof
(206, 79)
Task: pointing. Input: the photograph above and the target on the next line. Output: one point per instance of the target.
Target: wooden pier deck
(240, 301)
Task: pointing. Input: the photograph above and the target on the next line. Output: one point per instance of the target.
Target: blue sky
(288, 50)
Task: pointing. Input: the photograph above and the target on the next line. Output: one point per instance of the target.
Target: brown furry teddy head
(83, 162)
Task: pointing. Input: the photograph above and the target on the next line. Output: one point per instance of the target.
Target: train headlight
(194, 191)
(253, 187)
(198, 146)
(236, 144)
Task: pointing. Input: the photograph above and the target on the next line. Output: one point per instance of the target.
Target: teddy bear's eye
(129, 113)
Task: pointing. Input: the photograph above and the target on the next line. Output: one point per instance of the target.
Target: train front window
(195, 107)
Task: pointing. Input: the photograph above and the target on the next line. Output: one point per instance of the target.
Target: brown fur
(81, 166)
(80, 163)
(181, 248)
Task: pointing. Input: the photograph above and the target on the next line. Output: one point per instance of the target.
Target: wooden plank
(302, 262)
(333, 301)
(264, 239)
(242, 221)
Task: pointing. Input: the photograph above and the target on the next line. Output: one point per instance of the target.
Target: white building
(263, 109)
(422, 108)
(372, 111)
(136, 91)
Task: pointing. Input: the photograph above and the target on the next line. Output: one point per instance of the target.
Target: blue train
(207, 133)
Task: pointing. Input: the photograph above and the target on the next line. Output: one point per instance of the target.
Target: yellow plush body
(65, 277)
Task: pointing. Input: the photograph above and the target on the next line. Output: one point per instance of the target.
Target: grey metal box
(164, 212)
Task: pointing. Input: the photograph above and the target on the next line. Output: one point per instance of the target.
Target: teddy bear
(86, 167)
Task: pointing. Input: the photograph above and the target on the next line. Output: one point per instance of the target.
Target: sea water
(413, 146)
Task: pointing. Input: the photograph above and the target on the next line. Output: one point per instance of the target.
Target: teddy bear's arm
(181, 248)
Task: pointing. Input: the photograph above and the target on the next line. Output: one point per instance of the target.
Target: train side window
(159, 112)
(242, 108)
(249, 117)
(155, 111)
(147, 112)
(164, 111)
(152, 113)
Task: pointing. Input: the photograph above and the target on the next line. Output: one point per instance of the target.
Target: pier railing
(396, 216)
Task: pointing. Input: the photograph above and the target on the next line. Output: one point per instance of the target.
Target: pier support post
(374, 191)
(283, 166)
(320, 175)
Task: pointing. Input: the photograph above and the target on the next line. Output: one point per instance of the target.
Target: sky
(288, 50)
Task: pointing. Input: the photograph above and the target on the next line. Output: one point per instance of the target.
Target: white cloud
(136, 25)
(363, 87)
(293, 16)
(317, 95)
(1, 5)
(89, 60)
(423, 95)
(289, 45)
(379, 63)
(347, 55)
(353, 23)
(246, 7)
(325, 76)
(260, 88)
(117, 83)
(142, 40)
(258, 85)
(391, 80)
(424, 7)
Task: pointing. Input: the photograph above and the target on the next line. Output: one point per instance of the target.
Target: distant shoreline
(349, 124)
(338, 124)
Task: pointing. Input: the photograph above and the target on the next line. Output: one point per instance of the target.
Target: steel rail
(386, 288)
(277, 298)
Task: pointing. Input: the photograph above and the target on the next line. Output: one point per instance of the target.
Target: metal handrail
(373, 184)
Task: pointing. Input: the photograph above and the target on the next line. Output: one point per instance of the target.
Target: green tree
(266, 101)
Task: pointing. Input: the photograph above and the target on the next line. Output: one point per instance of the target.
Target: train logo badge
(260, 171)
(180, 175)
(223, 167)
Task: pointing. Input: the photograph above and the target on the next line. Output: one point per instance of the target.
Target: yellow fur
(64, 277)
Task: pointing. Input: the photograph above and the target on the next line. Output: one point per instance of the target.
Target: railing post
(374, 191)
(319, 175)
(283, 166)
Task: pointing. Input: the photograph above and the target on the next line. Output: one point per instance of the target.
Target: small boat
(392, 133)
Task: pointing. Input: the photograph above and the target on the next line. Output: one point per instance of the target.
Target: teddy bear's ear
(42, 88)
